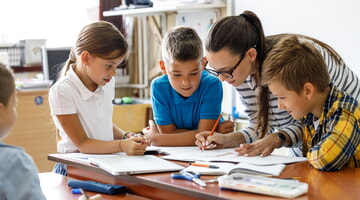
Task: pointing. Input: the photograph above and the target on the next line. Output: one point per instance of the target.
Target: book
(124, 165)
(230, 168)
(225, 155)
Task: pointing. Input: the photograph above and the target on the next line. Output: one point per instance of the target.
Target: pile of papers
(24, 84)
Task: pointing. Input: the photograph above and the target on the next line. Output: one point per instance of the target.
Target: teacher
(236, 48)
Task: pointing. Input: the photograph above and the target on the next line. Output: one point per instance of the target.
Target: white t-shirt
(94, 109)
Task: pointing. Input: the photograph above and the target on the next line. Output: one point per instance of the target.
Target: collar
(180, 99)
(250, 81)
(331, 98)
(85, 93)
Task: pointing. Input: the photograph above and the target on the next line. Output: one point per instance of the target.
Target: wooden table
(55, 187)
(344, 184)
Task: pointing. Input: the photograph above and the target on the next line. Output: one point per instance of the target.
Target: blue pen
(190, 176)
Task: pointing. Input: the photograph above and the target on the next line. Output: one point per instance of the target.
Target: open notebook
(122, 164)
(229, 168)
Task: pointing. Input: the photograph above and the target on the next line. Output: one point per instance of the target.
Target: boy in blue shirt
(185, 99)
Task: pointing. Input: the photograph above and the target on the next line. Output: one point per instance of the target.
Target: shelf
(27, 69)
(157, 10)
(145, 26)
(130, 85)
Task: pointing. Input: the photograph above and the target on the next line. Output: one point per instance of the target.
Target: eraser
(76, 191)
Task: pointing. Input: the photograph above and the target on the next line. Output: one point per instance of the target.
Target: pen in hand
(213, 130)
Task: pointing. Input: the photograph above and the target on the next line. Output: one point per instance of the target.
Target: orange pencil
(215, 125)
(205, 165)
(213, 129)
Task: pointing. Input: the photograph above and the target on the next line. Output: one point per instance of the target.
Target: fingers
(151, 123)
(134, 146)
(252, 150)
(138, 139)
(201, 139)
(226, 127)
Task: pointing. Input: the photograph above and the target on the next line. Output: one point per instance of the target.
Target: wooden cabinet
(34, 130)
(132, 117)
(36, 133)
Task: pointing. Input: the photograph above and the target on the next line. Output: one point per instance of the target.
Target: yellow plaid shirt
(336, 141)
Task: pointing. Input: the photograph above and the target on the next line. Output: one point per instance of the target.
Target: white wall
(57, 21)
(334, 22)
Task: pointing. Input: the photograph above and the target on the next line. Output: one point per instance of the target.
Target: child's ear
(85, 56)
(308, 90)
(204, 63)
(162, 67)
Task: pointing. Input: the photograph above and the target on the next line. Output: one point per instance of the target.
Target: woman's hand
(261, 147)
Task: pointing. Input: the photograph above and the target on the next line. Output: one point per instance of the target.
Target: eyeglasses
(226, 74)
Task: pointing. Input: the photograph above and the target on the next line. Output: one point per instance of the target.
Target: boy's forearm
(185, 138)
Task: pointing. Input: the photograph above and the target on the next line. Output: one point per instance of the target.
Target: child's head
(8, 114)
(101, 47)
(295, 68)
(183, 61)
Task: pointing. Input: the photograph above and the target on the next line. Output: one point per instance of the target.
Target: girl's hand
(134, 145)
(151, 131)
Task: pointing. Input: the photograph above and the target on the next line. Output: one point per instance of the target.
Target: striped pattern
(340, 75)
(336, 141)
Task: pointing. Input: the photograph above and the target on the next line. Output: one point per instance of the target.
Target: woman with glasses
(236, 47)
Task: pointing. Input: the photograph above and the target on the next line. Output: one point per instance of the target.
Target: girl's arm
(118, 133)
(73, 128)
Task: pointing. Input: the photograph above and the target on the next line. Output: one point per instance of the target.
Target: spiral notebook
(124, 165)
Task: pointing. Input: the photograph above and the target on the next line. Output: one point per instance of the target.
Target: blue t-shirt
(18, 175)
(185, 113)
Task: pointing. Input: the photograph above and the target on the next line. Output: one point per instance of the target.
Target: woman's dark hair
(238, 34)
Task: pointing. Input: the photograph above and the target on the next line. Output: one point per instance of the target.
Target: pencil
(213, 129)
(215, 125)
(205, 165)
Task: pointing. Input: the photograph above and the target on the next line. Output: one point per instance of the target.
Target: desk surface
(322, 185)
(55, 187)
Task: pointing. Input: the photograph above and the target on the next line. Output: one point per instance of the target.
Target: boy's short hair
(181, 44)
(295, 61)
(7, 84)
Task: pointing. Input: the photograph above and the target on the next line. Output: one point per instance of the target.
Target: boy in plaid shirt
(296, 74)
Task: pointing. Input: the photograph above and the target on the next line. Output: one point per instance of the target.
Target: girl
(81, 101)
(236, 48)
